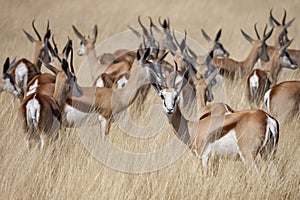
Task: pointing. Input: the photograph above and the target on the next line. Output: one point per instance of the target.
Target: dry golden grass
(66, 170)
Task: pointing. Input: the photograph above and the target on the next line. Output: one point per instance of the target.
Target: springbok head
(40, 46)
(168, 94)
(215, 45)
(68, 78)
(278, 27)
(8, 80)
(259, 45)
(284, 58)
(86, 44)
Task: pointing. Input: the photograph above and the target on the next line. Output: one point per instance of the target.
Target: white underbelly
(225, 146)
(75, 117)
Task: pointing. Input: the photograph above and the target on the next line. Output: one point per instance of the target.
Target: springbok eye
(162, 96)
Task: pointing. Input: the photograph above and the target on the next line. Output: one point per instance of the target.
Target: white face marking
(102, 121)
(169, 99)
(122, 82)
(100, 82)
(32, 88)
(287, 63)
(81, 51)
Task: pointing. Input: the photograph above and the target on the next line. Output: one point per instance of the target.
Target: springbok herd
(51, 101)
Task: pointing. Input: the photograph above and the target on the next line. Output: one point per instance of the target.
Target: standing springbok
(115, 64)
(24, 70)
(245, 133)
(259, 81)
(283, 100)
(41, 114)
(107, 102)
(229, 67)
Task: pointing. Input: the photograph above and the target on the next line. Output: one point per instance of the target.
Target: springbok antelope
(41, 114)
(278, 27)
(282, 100)
(107, 102)
(215, 46)
(229, 67)
(24, 70)
(245, 133)
(259, 81)
(40, 47)
(116, 64)
(46, 78)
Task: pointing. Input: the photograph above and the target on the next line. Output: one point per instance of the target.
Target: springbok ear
(289, 23)
(29, 37)
(136, 33)
(95, 32)
(50, 67)
(206, 37)
(247, 37)
(77, 33)
(218, 35)
(5, 67)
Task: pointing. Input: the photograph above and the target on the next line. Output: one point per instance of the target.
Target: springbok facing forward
(245, 133)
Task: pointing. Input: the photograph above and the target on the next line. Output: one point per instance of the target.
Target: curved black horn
(272, 19)
(265, 30)
(175, 74)
(284, 17)
(255, 28)
(36, 32)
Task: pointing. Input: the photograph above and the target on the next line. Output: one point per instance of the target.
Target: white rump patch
(21, 75)
(33, 109)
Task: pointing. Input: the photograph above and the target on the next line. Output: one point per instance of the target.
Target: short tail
(272, 136)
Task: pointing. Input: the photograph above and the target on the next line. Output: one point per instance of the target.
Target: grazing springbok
(259, 81)
(283, 100)
(229, 67)
(41, 114)
(245, 134)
